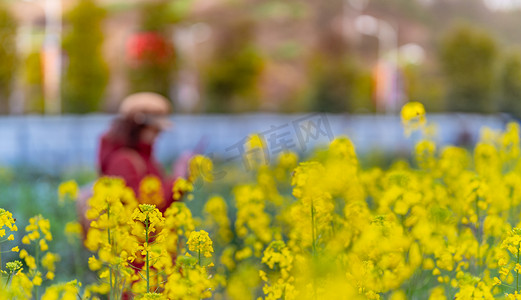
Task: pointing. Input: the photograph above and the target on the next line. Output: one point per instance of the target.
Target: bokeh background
(354, 56)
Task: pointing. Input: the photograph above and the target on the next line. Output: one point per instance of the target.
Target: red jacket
(133, 165)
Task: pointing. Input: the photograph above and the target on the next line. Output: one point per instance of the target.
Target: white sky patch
(498, 5)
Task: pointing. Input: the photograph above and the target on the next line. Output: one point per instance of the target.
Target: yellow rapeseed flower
(68, 190)
(200, 242)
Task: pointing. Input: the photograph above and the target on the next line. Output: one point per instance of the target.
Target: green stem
(117, 293)
(199, 259)
(147, 261)
(8, 277)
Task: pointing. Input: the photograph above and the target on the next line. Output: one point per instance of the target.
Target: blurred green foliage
(33, 79)
(158, 15)
(151, 77)
(27, 193)
(8, 57)
(468, 57)
(231, 81)
(278, 9)
(246, 41)
(341, 86)
(231, 78)
(510, 83)
(425, 86)
(149, 74)
(86, 73)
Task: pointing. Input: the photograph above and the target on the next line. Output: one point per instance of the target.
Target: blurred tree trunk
(7, 57)
(86, 73)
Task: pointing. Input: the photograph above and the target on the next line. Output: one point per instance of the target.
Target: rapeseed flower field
(446, 226)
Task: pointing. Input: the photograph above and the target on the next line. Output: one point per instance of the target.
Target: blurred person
(126, 149)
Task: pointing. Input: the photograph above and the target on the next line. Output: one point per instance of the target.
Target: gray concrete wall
(60, 142)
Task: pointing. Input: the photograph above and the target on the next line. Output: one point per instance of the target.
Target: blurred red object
(148, 48)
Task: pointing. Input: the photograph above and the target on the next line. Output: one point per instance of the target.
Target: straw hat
(147, 108)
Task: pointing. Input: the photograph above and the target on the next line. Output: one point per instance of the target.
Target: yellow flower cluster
(20, 287)
(24, 285)
(147, 216)
(6, 220)
(39, 229)
(182, 186)
(36, 225)
(151, 190)
(256, 152)
(193, 283)
(138, 247)
(216, 212)
(445, 225)
(413, 116)
(110, 208)
(200, 166)
(179, 223)
(279, 286)
(199, 242)
(68, 190)
(73, 231)
(252, 223)
(63, 291)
